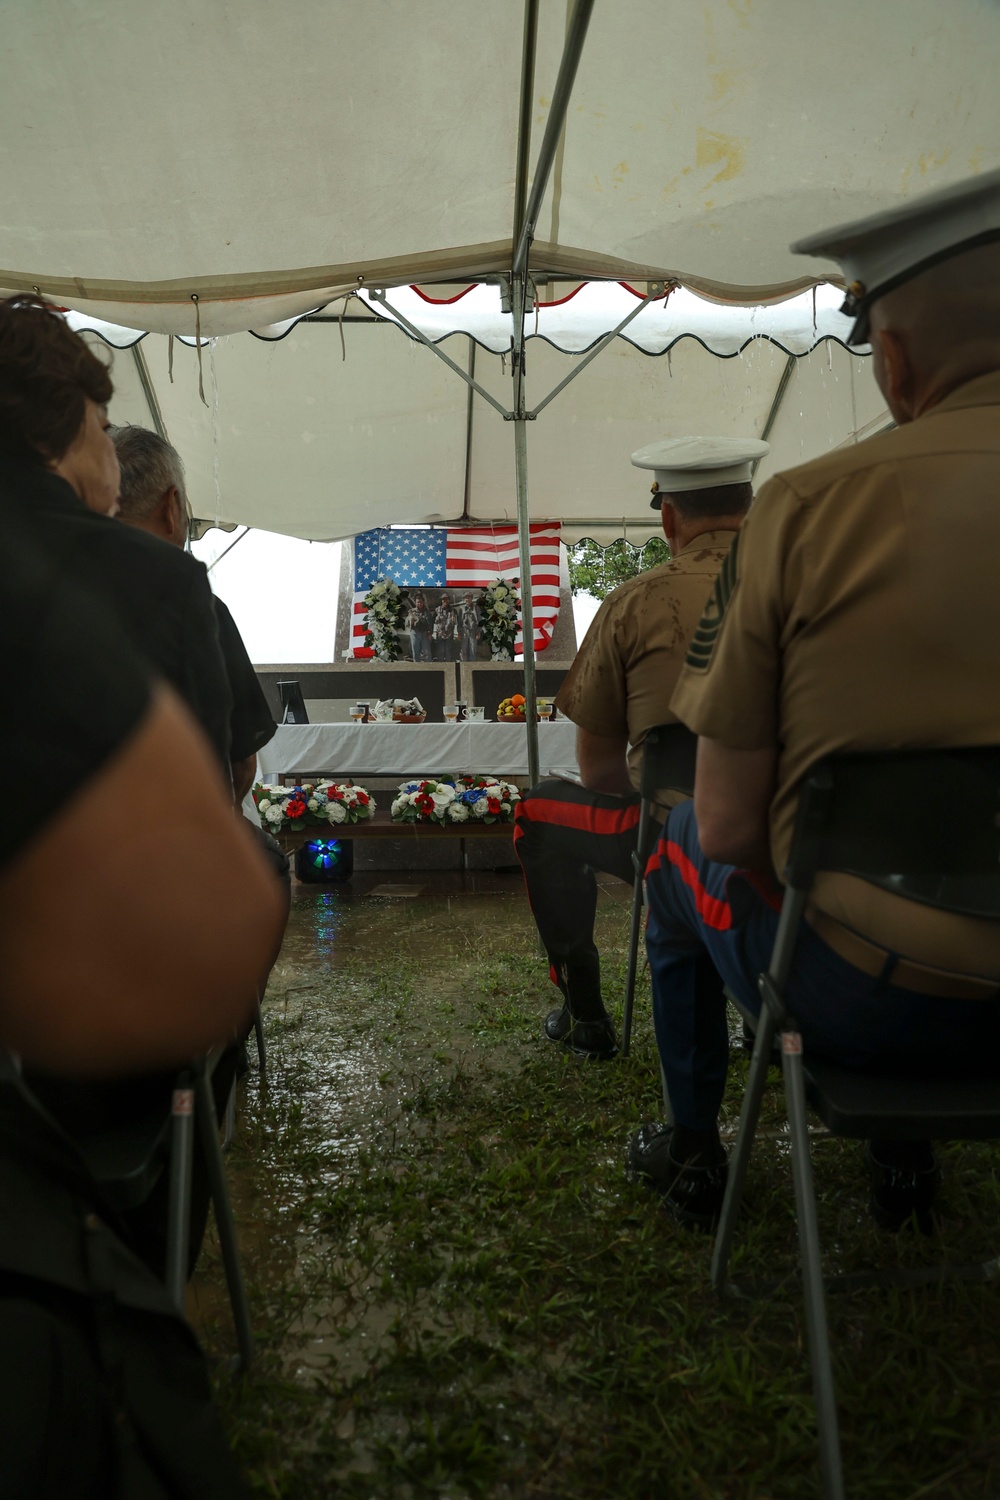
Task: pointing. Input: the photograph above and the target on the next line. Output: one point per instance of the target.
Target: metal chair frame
(931, 814)
(193, 1107)
(229, 1122)
(668, 757)
(125, 1167)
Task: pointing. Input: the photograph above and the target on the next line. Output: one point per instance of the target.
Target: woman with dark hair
(54, 394)
(59, 466)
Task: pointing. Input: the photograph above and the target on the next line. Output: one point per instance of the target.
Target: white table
(416, 749)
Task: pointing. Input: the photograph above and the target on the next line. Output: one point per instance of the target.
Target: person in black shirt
(153, 498)
(168, 918)
(146, 971)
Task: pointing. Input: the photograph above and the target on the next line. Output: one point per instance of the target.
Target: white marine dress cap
(880, 253)
(698, 463)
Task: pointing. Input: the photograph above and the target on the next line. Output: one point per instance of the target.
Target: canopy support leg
(598, 348)
(519, 288)
(142, 369)
(775, 407)
(575, 37)
(378, 295)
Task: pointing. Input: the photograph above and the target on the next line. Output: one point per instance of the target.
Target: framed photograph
(443, 625)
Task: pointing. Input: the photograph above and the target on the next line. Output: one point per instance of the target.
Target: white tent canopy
(264, 159)
(166, 168)
(296, 439)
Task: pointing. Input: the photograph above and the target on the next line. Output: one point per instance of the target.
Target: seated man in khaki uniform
(858, 610)
(617, 689)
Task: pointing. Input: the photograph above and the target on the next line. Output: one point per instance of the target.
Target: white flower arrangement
(501, 609)
(322, 804)
(385, 613)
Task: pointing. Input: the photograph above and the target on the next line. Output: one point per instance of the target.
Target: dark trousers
(104, 1393)
(55, 1416)
(711, 926)
(562, 835)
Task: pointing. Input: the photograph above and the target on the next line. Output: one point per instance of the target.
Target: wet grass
(457, 1293)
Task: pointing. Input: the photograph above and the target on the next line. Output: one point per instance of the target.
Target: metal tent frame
(526, 210)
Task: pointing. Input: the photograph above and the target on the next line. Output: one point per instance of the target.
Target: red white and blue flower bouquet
(323, 804)
(455, 799)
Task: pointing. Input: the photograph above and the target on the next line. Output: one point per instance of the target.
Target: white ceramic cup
(475, 715)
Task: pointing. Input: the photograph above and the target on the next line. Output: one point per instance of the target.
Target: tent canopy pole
(467, 486)
(525, 113)
(142, 369)
(519, 289)
(575, 38)
(779, 397)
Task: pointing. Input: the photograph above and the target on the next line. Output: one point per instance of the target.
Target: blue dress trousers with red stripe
(563, 834)
(712, 926)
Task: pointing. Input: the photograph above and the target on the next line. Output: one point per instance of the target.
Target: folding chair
(933, 816)
(668, 756)
(229, 1124)
(127, 1162)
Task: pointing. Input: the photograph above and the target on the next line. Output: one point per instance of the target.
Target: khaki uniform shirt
(860, 610)
(624, 673)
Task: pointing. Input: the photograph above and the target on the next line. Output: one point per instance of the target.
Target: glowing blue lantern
(325, 860)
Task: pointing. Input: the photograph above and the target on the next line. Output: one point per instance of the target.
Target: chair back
(923, 824)
(668, 757)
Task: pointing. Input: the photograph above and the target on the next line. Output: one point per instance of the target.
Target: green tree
(597, 570)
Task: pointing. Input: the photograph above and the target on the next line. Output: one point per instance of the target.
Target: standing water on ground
(456, 1292)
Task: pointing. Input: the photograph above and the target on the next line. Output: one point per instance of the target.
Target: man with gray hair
(153, 497)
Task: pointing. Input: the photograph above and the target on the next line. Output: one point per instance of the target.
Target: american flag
(470, 558)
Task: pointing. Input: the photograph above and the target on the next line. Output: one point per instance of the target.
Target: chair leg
(633, 964)
(639, 858)
(258, 1026)
(740, 1160)
(209, 1134)
(179, 1191)
(668, 1108)
(229, 1127)
(830, 1463)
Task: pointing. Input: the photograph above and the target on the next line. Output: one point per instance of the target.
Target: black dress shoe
(691, 1191)
(586, 1038)
(903, 1192)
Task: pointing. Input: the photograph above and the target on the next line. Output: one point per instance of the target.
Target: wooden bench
(382, 827)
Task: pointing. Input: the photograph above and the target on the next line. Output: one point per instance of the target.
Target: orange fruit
(518, 700)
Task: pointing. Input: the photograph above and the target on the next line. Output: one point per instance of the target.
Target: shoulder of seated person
(811, 479)
(158, 551)
(648, 580)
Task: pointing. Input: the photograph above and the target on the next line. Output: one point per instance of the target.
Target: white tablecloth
(416, 749)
